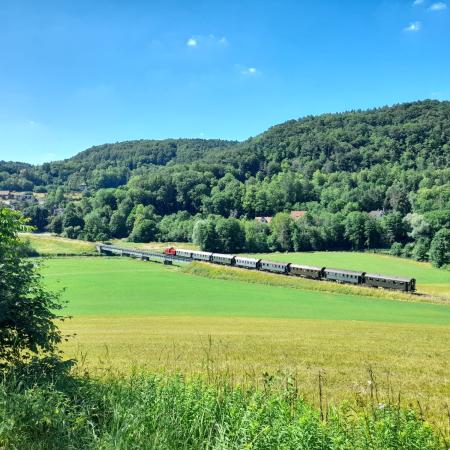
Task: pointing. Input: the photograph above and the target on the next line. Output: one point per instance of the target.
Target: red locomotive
(170, 251)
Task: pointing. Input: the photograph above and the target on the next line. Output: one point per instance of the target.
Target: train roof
(388, 277)
(247, 258)
(345, 272)
(198, 252)
(303, 266)
(224, 255)
(266, 261)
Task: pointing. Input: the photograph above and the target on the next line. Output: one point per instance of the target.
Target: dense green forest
(366, 179)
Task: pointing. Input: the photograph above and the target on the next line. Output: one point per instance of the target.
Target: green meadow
(120, 286)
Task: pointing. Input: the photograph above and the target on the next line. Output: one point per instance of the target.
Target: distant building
(23, 197)
(377, 213)
(5, 195)
(58, 211)
(264, 219)
(297, 214)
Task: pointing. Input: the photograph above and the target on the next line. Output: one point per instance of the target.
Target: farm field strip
(410, 359)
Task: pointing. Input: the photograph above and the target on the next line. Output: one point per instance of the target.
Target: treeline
(366, 179)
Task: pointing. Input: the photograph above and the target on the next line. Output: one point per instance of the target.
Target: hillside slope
(366, 179)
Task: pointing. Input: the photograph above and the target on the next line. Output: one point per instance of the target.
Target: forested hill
(133, 154)
(412, 134)
(376, 178)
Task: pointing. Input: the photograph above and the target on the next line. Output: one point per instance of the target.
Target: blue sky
(79, 73)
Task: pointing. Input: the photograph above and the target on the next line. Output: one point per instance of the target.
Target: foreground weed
(159, 412)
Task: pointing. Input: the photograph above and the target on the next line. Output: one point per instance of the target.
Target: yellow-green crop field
(130, 314)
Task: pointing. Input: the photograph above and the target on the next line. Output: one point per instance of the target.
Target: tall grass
(259, 277)
(148, 411)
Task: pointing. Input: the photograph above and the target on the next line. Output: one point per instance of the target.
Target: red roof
(297, 214)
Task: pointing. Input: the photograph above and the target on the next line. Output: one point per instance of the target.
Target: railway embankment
(249, 276)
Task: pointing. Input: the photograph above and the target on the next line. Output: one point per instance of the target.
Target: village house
(376, 213)
(5, 195)
(264, 219)
(297, 214)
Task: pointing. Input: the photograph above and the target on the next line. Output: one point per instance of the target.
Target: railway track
(141, 254)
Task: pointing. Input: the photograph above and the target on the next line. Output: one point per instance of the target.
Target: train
(299, 270)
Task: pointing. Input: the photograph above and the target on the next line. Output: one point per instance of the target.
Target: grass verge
(259, 277)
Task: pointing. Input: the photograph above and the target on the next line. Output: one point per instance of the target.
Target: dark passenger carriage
(183, 252)
(344, 276)
(248, 263)
(384, 281)
(221, 258)
(201, 256)
(300, 270)
(272, 266)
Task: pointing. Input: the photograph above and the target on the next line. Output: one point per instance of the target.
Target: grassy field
(47, 244)
(153, 245)
(129, 313)
(429, 279)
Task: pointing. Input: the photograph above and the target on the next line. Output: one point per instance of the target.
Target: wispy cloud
(439, 6)
(207, 41)
(250, 71)
(413, 27)
(418, 2)
(192, 42)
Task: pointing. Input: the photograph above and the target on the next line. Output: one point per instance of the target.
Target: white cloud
(439, 6)
(413, 27)
(418, 2)
(207, 41)
(192, 42)
(250, 71)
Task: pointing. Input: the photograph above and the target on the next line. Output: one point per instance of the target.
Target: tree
(56, 224)
(256, 236)
(355, 229)
(144, 230)
(204, 234)
(440, 248)
(96, 226)
(282, 226)
(118, 225)
(73, 216)
(420, 228)
(38, 216)
(230, 235)
(394, 227)
(28, 312)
